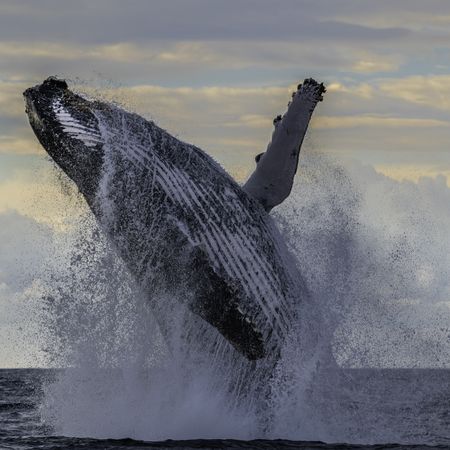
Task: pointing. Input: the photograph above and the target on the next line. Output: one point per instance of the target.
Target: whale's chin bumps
(177, 219)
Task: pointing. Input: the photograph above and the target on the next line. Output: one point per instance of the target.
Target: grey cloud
(182, 64)
(105, 21)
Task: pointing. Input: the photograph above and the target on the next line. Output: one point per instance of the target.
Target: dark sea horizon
(22, 427)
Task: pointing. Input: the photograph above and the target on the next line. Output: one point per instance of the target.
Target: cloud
(104, 21)
(431, 91)
(152, 35)
(167, 43)
(11, 103)
(341, 122)
(18, 145)
(119, 52)
(168, 60)
(42, 197)
(375, 64)
(332, 122)
(414, 172)
(15, 134)
(395, 14)
(227, 118)
(386, 145)
(235, 123)
(370, 124)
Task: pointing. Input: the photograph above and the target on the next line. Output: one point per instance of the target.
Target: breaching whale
(176, 218)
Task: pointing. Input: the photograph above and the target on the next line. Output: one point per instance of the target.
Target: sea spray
(374, 263)
(122, 379)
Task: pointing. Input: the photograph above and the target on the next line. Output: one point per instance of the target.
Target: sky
(215, 73)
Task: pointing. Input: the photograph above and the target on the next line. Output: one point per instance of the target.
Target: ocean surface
(422, 405)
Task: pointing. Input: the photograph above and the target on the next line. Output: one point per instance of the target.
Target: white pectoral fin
(272, 180)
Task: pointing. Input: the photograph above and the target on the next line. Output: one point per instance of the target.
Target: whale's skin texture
(176, 218)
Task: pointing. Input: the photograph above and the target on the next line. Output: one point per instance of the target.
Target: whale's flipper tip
(311, 89)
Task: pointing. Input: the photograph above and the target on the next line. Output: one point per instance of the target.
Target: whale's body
(177, 219)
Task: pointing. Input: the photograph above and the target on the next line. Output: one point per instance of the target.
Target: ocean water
(412, 404)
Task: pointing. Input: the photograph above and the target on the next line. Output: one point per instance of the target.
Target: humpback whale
(176, 218)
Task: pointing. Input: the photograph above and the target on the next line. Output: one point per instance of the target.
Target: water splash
(375, 254)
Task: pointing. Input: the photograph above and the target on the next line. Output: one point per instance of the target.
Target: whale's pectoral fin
(272, 180)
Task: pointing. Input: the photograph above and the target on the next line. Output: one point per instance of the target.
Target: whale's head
(68, 129)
